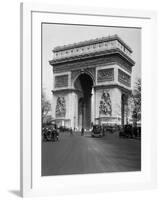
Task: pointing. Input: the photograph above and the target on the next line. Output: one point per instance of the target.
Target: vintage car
(64, 128)
(127, 131)
(97, 131)
(50, 133)
(130, 131)
(110, 128)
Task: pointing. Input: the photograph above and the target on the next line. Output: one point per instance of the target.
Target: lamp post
(82, 131)
(74, 122)
(83, 114)
(99, 115)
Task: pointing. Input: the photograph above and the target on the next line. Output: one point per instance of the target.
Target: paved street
(75, 154)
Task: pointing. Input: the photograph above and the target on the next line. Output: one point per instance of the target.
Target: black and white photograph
(90, 99)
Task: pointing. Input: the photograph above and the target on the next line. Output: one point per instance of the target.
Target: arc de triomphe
(91, 82)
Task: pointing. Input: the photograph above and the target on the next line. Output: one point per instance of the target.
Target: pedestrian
(82, 131)
(71, 131)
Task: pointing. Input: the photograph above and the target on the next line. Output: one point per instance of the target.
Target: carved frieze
(92, 63)
(61, 81)
(91, 46)
(60, 107)
(105, 75)
(124, 78)
(105, 107)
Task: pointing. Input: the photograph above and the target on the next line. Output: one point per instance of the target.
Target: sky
(58, 34)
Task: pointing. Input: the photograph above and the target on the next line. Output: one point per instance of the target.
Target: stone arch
(78, 73)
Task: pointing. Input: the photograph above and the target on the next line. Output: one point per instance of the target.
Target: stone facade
(91, 75)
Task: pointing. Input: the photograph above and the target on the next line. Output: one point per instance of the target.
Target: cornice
(91, 42)
(93, 55)
(59, 90)
(96, 87)
(123, 89)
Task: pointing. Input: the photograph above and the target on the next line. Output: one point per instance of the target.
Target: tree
(46, 107)
(129, 108)
(137, 100)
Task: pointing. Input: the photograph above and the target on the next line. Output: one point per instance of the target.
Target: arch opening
(84, 84)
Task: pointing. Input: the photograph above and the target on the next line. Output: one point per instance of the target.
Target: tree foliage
(137, 100)
(46, 107)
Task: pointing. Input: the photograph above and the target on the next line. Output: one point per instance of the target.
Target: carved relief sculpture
(124, 78)
(105, 75)
(105, 107)
(61, 81)
(60, 107)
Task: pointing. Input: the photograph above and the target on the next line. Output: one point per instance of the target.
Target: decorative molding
(92, 42)
(65, 90)
(124, 89)
(93, 63)
(105, 75)
(61, 81)
(93, 55)
(90, 49)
